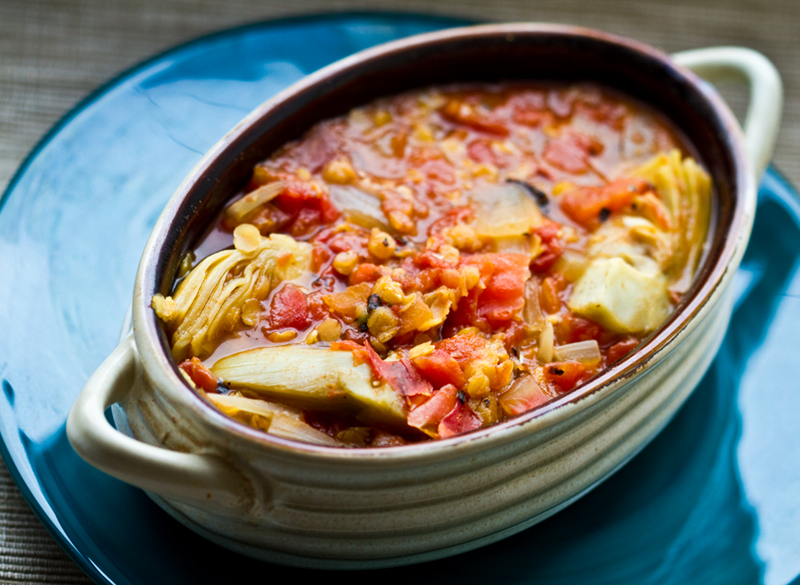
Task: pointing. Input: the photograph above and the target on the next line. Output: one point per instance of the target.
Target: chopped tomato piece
(299, 209)
(550, 293)
(552, 247)
(468, 115)
(428, 415)
(319, 256)
(399, 211)
(571, 152)
(429, 279)
(343, 241)
(289, 308)
(572, 329)
(317, 308)
(611, 114)
(620, 349)
(465, 314)
(365, 272)
(306, 208)
(441, 369)
(586, 205)
(200, 374)
(480, 151)
(463, 348)
(357, 349)
(504, 276)
(564, 376)
(422, 154)
(439, 170)
(532, 117)
(401, 375)
(428, 259)
(452, 217)
(514, 334)
(459, 420)
(305, 220)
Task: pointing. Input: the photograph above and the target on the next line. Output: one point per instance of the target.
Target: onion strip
(586, 352)
(241, 208)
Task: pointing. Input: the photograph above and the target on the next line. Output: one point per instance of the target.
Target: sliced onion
(525, 393)
(240, 208)
(532, 311)
(352, 198)
(546, 343)
(366, 221)
(586, 352)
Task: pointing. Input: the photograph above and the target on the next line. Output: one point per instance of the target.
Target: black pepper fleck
(462, 398)
(605, 213)
(373, 302)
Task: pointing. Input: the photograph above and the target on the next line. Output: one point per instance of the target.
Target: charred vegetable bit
(439, 261)
(541, 198)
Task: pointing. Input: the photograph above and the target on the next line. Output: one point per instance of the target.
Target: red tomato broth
(419, 155)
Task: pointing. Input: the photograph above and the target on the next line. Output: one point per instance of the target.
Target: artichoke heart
(313, 379)
(686, 191)
(504, 216)
(620, 297)
(637, 261)
(208, 302)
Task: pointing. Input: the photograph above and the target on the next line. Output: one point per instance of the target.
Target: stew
(438, 261)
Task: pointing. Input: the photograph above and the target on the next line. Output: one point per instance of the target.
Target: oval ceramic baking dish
(306, 505)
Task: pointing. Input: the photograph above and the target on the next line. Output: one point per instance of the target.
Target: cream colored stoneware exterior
(339, 508)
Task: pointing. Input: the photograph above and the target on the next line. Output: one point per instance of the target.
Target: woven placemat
(54, 53)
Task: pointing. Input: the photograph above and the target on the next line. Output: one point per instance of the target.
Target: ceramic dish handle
(183, 476)
(766, 93)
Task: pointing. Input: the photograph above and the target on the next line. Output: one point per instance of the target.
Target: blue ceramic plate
(715, 498)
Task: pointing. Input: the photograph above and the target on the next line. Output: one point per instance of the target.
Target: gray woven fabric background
(54, 53)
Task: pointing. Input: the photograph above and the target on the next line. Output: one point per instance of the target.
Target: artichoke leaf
(314, 379)
(208, 302)
(281, 421)
(686, 191)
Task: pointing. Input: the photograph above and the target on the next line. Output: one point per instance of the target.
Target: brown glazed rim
(176, 230)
